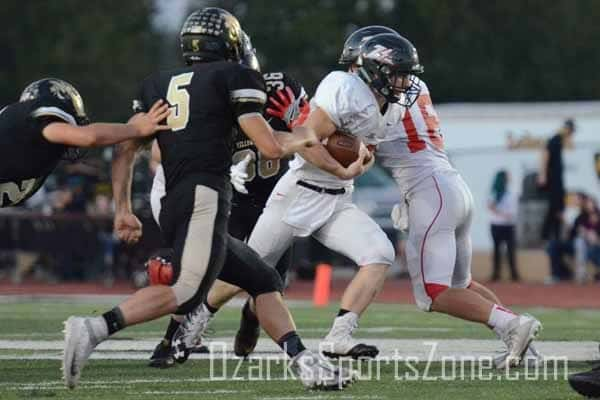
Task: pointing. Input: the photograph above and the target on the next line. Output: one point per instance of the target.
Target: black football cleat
(247, 336)
(179, 350)
(202, 349)
(359, 351)
(162, 357)
(586, 383)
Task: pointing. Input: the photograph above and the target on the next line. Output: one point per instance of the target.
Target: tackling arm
(103, 134)
(275, 144)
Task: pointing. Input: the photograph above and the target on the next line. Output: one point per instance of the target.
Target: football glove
(285, 106)
(238, 174)
(399, 216)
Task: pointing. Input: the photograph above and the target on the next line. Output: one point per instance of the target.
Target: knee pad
(389, 253)
(267, 281)
(381, 252)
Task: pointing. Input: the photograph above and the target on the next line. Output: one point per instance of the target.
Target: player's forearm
(291, 143)
(320, 157)
(104, 134)
(122, 173)
(371, 157)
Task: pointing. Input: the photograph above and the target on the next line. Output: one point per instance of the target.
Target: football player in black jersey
(207, 97)
(253, 178)
(287, 107)
(48, 121)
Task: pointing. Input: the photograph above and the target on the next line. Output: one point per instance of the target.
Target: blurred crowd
(570, 235)
(64, 232)
(579, 245)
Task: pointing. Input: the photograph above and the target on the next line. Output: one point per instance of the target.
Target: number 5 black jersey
(264, 173)
(205, 99)
(26, 157)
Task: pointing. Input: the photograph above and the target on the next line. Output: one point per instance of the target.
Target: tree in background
(473, 50)
(103, 47)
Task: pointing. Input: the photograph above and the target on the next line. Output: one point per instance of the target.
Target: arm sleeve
(247, 93)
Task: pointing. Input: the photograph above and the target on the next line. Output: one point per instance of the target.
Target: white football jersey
(414, 148)
(353, 109)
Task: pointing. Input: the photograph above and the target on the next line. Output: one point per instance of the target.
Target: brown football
(343, 147)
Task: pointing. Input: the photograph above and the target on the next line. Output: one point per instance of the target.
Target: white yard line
(232, 332)
(434, 350)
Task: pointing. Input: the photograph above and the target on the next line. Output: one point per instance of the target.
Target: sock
(171, 329)
(499, 317)
(291, 344)
(342, 312)
(114, 320)
(99, 328)
(213, 310)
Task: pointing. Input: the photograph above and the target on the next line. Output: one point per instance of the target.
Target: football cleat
(532, 358)
(190, 332)
(80, 341)
(586, 383)
(201, 349)
(340, 343)
(358, 351)
(317, 373)
(162, 356)
(518, 335)
(247, 336)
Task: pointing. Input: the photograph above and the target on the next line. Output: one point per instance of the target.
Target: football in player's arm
(321, 123)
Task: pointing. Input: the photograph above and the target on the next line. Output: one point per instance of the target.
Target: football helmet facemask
(249, 58)
(211, 34)
(389, 64)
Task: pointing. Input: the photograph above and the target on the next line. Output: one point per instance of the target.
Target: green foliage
(473, 50)
(103, 47)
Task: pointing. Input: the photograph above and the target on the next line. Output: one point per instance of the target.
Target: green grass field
(22, 377)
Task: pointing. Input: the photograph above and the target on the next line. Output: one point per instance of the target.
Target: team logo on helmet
(381, 54)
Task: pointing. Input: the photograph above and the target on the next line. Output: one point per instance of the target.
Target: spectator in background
(503, 208)
(550, 179)
(584, 236)
(559, 248)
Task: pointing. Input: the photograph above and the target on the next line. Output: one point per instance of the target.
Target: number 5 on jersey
(179, 99)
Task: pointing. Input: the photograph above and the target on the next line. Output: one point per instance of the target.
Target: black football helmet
(249, 58)
(383, 59)
(57, 91)
(211, 34)
(352, 44)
